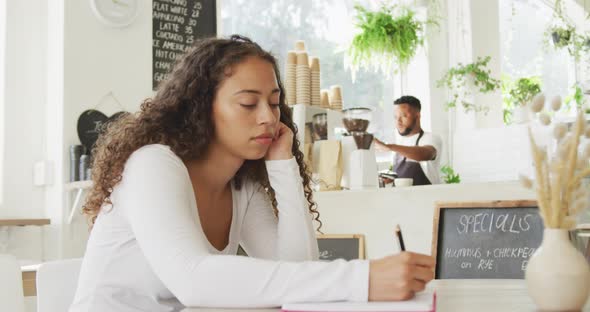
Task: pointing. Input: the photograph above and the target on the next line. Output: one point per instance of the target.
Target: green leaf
(455, 79)
(449, 175)
(385, 39)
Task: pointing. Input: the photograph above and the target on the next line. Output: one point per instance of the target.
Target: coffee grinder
(360, 164)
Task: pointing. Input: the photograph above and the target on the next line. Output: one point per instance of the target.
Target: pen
(400, 238)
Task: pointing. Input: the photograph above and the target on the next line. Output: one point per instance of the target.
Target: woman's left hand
(280, 148)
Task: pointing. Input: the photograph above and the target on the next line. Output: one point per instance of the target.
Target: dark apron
(411, 169)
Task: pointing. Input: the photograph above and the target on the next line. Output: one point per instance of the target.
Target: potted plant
(519, 94)
(463, 80)
(561, 36)
(387, 37)
(560, 29)
(577, 96)
(564, 35)
(449, 175)
(557, 275)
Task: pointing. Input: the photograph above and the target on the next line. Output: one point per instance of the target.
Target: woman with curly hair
(210, 163)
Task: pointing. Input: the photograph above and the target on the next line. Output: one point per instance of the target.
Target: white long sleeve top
(148, 252)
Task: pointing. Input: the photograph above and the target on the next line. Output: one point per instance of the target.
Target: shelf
(23, 222)
(78, 185)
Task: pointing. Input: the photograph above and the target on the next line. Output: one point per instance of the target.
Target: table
(460, 296)
(29, 272)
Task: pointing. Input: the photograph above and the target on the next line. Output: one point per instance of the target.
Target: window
(327, 27)
(527, 52)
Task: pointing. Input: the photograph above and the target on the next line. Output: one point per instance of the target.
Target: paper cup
(315, 64)
(292, 57)
(302, 59)
(300, 45)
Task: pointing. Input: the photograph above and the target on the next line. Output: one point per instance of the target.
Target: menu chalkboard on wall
(176, 26)
(485, 239)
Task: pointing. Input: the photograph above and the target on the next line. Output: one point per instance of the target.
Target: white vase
(557, 275)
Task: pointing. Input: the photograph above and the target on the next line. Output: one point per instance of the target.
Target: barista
(417, 153)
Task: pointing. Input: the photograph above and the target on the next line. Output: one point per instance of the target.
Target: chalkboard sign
(485, 239)
(348, 247)
(176, 26)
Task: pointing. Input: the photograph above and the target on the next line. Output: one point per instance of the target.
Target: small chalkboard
(348, 247)
(485, 239)
(176, 26)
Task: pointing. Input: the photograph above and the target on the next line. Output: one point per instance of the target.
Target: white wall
(494, 154)
(24, 106)
(54, 196)
(438, 58)
(49, 84)
(485, 24)
(23, 124)
(99, 59)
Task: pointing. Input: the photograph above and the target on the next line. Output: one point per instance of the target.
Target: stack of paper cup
(291, 78)
(303, 76)
(325, 99)
(300, 46)
(315, 81)
(336, 98)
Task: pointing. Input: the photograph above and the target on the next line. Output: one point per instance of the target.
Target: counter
(375, 213)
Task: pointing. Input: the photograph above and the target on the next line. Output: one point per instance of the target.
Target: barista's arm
(417, 153)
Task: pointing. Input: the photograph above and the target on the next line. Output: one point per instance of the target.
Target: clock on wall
(115, 13)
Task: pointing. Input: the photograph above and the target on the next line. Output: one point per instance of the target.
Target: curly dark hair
(182, 111)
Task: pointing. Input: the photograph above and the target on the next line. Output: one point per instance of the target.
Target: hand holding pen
(400, 276)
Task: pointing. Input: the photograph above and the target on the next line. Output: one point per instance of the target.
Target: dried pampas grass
(558, 178)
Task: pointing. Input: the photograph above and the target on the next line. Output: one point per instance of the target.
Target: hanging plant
(387, 37)
(564, 35)
(455, 79)
(518, 93)
(561, 36)
(524, 90)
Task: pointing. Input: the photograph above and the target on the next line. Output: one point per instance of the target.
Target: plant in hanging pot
(387, 37)
(518, 95)
(558, 275)
(463, 80)
(561, 36)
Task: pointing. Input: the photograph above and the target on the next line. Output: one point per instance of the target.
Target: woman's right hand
(400, 276)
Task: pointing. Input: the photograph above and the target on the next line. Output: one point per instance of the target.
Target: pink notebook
(423, 302)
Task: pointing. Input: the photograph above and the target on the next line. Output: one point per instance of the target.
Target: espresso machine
(359, 161)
